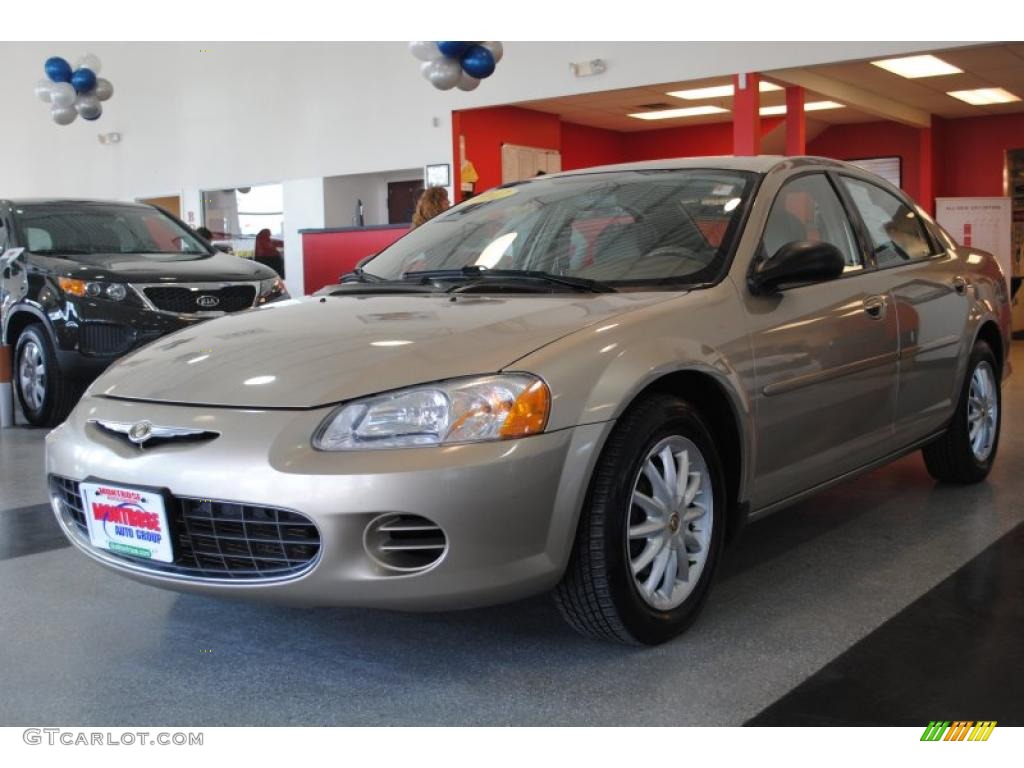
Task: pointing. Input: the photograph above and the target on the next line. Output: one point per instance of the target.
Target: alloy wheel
(982, 411)
(669, 523)
(32, 375)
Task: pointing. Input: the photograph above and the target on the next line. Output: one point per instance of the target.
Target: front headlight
(457, 411)
(91, 289)
(272, 289)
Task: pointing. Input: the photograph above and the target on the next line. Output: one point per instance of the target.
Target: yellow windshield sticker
(493, 194)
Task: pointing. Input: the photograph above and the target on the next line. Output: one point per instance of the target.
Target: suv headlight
(92, 289)
(470, 410)
(272, 289)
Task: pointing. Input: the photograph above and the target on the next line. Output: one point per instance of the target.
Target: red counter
(329, 253)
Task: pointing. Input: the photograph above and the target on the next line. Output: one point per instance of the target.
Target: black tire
(950, 459)
(60, 393)
(598, 596)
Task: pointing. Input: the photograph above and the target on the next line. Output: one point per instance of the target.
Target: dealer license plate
(127, 521)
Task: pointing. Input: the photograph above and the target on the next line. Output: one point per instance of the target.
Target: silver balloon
(62, 94)
(424, 50)
(42, 90)
(63, 115)
(444, 73)
(497, 49)
(89, 61)
(467, 82)
(104, 89)
(88, 106)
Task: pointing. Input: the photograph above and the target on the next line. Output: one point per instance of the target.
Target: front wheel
(651, 529)
(966, 452)
(45, 394)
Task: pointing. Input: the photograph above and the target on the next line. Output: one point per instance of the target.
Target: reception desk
(329, 253)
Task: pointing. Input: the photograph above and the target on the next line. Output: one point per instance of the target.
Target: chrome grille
(187, 299)
(217, 539)
(405, 542)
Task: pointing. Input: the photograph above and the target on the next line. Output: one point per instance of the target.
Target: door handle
(875, 307)
(959, 285)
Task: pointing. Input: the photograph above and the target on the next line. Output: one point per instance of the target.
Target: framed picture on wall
(889, 168)
(439, 175)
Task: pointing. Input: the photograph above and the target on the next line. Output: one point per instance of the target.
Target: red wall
(487, 129)
(326, 256)
(691, 141)
(584, 146)
(971, 154)
(854, 141)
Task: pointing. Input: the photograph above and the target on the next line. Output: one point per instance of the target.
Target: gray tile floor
(80, 645)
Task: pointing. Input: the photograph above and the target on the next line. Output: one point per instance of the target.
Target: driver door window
(808, 208)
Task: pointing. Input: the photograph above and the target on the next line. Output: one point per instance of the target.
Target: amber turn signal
(529, 414)
(72, 286)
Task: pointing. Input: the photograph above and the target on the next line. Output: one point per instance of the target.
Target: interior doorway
(402, 197)
(170, 203)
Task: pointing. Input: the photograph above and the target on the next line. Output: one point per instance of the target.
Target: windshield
(617, 227)
(84, 229)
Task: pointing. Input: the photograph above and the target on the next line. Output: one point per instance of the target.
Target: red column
(796, 123)
(456, 156)
(925, 164)
(746, 115)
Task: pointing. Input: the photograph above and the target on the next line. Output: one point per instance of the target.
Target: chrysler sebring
(585, 383)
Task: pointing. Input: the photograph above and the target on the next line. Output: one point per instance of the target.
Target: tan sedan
(584, 383)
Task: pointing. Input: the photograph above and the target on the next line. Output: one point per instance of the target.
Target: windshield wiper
(63, 252)
(473, 272)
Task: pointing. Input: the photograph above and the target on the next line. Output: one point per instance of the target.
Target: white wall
(303, 209)
(341, 194)
(218, 115)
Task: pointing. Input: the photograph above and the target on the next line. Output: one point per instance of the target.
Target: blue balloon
(58, 69)
(84, 80)
(452, 49)
(478, 62)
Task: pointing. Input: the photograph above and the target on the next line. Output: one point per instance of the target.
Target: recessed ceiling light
(980, 96)
(666, 114)
(811, 106)
(918, 66)
(718, 91)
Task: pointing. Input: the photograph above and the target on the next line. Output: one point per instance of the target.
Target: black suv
(97, 279)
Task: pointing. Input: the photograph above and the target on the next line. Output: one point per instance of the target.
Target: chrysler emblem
(140, 432)
(207, 301)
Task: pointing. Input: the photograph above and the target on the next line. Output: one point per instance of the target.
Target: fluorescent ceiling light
(918, 66)
(718, 91)
(980, 96)
(811, 106)
(665, 114)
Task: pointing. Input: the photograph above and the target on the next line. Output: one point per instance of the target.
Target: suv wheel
(651, 529)
(965, 453)
(46, 396)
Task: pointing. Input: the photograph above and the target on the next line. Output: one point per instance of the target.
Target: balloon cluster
(449, 64)
(73, 91)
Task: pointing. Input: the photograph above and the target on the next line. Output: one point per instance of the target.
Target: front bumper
(508, 509)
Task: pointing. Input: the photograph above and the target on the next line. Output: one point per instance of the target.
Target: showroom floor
(887, 600)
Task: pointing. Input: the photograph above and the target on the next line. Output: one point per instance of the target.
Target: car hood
(302, 353)
(163, 268)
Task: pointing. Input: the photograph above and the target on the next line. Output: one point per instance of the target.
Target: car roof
(754, 163)
(71, 201)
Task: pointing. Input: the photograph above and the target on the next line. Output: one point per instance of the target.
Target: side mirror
(801, 261)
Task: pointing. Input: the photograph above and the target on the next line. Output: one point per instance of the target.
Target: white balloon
(497, 49)
(424, 50)
(63, 115)
(104, 89)
(444, 73)
(89, 61)
(42, 90)
(467, 82)
(88, 106)
(62, 94)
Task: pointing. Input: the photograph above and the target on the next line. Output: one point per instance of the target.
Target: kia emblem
(207, 301)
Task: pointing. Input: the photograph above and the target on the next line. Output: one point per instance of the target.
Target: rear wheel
(45, 394)
(966, 452)
(652, 528)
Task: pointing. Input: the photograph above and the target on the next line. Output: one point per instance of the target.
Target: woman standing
(433, 201)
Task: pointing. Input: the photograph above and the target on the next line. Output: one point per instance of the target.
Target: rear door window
(895, 229)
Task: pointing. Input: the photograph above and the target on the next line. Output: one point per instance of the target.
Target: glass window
(616, 227)
(894, 228)
(808, 208)
(70, 229)
(247, 219)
